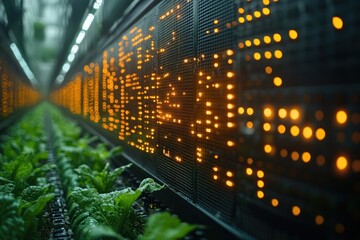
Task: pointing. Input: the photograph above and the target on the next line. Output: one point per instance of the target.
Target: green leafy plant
(102, 181)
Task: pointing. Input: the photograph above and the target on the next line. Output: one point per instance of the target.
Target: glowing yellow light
(260, 174)
(216, 56)
(216, 65)
(216, 21)
(229, 174)
(230, 86)
(257, 56)
(267, 39)
(230, 125)
(241, 45)
(282, 113)
(249, 124)
(320, 134)
(230, 143)
(229, 52)
(268, 70)
(268, 54)
(230, 74)
(241, 10)
(277, 81)
(216, 30)
(341, 117)
(294, 130)
(260, 183)
(319, 220)
(341, 163)
(248, 43)
(249, 171)
(306, 157)
(337, 22)
(215, 177)
(277, 37)
(266, 2)
(307, 132)
(294, 114)
(249, 17)
(278, 54)
(256, 41)
(266, 11)
(293, 34)
(274, 202)
(257, 14)
(281, 129)
(250, 111)
(295, 156)
(230, 106)
(260, 194)
(267, 127)
(230, 61)
(230, 96)
(267, 148)
(241, 110)
(229, 183)
(230, 115)
(241, 20)
(296, 210)
(267, 112)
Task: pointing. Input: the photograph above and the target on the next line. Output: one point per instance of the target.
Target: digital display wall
(249, 109)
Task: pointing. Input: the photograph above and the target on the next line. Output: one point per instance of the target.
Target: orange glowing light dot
(241, 20)
(216, 65)
(230, 96)
(306, 157)
(294, 130)
(249, 17)
(249, 124)
(320, 134)
(294, 114)
(216, 21)
(230, 143)
(241, 10)
(229, 183)
(249, 171)
(230, 61)
(267, 127)
(266, 11)
(216, 30)
(230, 74)
(267, 112)
(256, 41)
(257, 14)
(260, 174)
(307, 132)
(248, 43)
(337, 22)
(267, 148)
(293, 34)
(277, 37)
(267, 39)
(260, 194)
(241, 110)
(268, 55)
(281, 129)
(319, 220)
(216, 56)
(230, 125)
(229, 174)
(277, 81)
(266, 2)
(257, 56)
(268, 70)
(260, 183)
(282, 113)
(278, 54)
(215, 177)
(296, 210)
(341, 117)
(230, 86)
(230, 52)
(274, 202)
(230, 106)
(250, 111)
(341, 163)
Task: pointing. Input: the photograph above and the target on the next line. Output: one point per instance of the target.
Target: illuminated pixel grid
(248, 108)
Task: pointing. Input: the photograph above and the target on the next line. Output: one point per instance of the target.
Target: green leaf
(103, 232)
(32, 193)
(165, 226)
(7, 189)
(149, 185)
(12, 226)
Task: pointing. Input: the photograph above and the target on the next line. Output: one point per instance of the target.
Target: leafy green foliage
(165, 226)
(32, 193)
(12, 225)
(102, 181)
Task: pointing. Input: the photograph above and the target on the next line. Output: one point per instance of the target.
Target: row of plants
(97, 209)
(24, 188)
